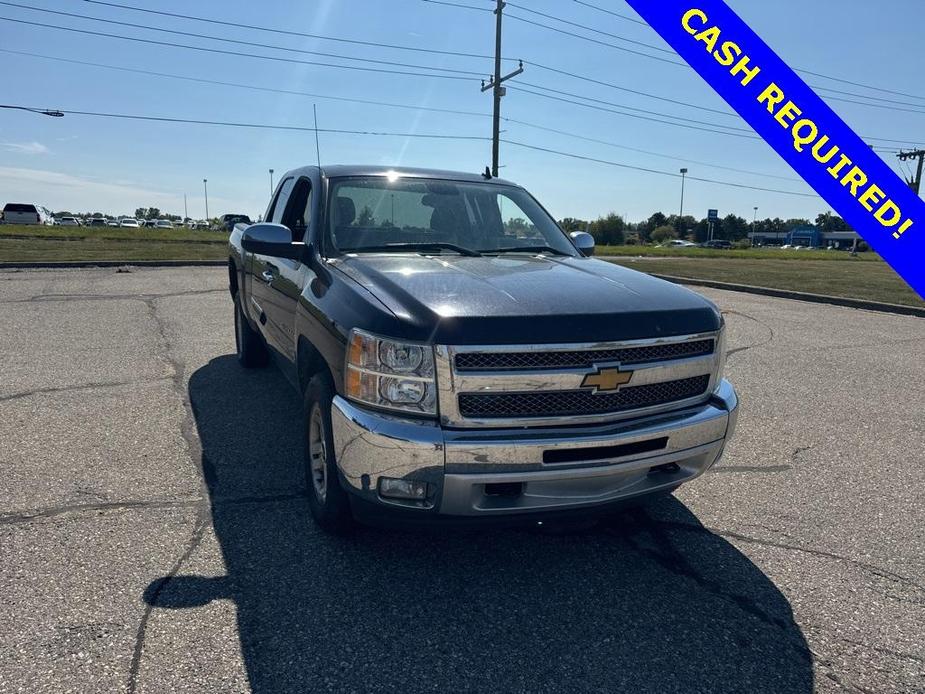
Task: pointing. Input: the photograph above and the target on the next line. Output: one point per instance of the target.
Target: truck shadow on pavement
(645, 601)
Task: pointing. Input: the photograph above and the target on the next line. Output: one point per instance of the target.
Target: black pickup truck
(460, 356)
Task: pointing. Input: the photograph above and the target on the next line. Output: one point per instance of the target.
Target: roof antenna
(317, 146)
(487, 174)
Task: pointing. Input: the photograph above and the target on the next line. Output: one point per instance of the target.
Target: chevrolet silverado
(460, 356)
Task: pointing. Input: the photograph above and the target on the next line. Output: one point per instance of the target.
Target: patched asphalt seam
(85, 386)
(110, 297)
(202, 520)
(194, 451)
(823, 554)
(20, 517)
(764, 325)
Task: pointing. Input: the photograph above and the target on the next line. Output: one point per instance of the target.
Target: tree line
(613, 230)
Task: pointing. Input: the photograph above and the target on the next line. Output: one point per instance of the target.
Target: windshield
(376, 213)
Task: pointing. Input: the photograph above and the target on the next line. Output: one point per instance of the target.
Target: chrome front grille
(580, 359)
(541, 385)
(568, 403)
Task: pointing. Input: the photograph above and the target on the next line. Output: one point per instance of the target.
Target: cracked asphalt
(154, 535)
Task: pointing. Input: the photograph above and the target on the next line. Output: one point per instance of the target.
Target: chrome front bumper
(618, 460)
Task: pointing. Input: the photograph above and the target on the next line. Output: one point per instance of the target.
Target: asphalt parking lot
(154, 535)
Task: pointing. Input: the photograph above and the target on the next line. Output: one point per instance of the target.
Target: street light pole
(205, 189)
(271, 183)
(683, 175)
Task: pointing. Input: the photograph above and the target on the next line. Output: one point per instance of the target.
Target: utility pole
(271, 183)
(205, 189)
(185, 211)
(683, 176)
(494, 83)
(915, 183)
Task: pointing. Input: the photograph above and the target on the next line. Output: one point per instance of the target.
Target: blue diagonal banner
(799, 125)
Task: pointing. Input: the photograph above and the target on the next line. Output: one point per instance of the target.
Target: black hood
(514, 299)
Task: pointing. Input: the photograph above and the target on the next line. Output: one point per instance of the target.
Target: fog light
(392, 488)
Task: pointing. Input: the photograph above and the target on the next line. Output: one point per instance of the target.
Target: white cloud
(25, 147)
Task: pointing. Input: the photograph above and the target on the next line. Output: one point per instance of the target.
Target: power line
(655, 171)
(237, 53)
(642, 44)
(673, 157)
(632, 108)
(402, 72)
(802, 70)
(886, 105)
(386, 104)
(439, 136)
(615, 14)
(255, 27)
(588, 38)
(859, 84)
(553, 97)
(261, 126)
(426, 50)
(637, 92)
(254, 44)
(274, 90)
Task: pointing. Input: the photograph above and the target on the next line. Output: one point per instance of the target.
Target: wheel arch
(310, 363)
(233, 279)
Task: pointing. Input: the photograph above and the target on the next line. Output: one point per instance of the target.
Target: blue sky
(86, 163)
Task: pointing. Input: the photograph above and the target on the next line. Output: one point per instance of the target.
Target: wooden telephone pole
(494, 83)
(916, 182)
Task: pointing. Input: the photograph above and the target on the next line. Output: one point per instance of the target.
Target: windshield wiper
(423, 246)
(527, 249)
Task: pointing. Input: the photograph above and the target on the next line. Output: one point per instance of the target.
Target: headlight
(391, 374)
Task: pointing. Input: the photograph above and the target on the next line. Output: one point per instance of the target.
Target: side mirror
(272, 239)
(584, 241)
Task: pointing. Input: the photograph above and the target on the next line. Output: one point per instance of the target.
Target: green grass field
(834, 273)
(751, 253)
(64, 244)
(873, 281)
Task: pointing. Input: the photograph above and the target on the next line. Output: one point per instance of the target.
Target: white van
(26, 213)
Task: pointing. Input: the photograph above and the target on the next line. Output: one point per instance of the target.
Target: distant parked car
(718, 243)
(112, 222)
(96, 222)
(129, 223)
(69, 222)
(229, 220)
(163, 224)
(679, 243)
(27, 213)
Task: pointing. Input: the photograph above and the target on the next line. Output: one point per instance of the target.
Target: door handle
(268, 276)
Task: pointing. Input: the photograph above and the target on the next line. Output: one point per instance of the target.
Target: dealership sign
(785, 111)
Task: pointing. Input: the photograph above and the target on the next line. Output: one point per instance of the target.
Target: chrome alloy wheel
(318, 454)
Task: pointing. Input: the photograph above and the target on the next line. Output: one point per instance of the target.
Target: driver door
(265, 268)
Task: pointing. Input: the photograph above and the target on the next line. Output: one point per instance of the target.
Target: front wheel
(327, 500)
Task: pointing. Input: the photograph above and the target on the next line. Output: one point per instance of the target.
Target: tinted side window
(278, 201)
(299, 209)
(281, 200)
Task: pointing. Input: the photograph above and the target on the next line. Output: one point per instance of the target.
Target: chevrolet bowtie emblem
(607, 380)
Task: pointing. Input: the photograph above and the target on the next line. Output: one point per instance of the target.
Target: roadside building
(808, 236)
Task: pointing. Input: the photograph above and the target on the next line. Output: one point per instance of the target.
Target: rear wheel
(329, 503)
(251, 350)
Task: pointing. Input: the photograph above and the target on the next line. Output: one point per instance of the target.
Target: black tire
(327, 499)
(251, 350)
